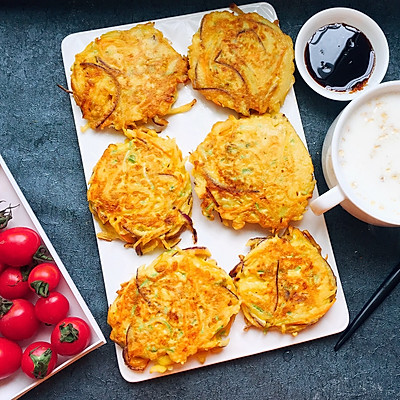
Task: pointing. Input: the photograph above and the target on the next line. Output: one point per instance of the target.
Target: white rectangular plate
(189, 129)
(18, 384)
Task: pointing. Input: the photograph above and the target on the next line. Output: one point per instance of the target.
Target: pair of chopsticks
(380, 294)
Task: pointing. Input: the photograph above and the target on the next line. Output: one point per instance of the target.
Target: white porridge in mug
(369, 154)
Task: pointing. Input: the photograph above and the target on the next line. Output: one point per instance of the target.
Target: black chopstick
(380, 294)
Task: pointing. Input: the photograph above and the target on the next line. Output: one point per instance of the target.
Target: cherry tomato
(70, 336)
(17, 319)
(18, 246)
(44, 278)
(2, 266)
(39, 360)
(52, 309)
(10, 357)
(14, 283)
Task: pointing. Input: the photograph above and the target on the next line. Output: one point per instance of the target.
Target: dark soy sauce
(340, 57)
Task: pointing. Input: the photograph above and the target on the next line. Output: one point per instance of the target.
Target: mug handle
(328, 200)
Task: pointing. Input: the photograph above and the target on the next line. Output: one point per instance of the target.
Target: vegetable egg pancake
(177, 306)
(241, 61)
(284, 282)
(140, 192)
(127, 77)
(254, 170)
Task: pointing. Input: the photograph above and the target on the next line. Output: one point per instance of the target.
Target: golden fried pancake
(284, 282)
(254, 170)
(140, 192)
(129, 77)
(177, 306)
(241, 61)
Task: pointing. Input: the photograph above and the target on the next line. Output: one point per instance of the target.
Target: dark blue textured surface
(38, 142)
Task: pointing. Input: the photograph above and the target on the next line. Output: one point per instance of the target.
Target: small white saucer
(353, 18)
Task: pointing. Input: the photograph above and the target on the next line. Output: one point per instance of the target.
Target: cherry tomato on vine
(14, 283)
(18, 246)
(70, 336)
(10, 357)
(44, 278)
(17, 319)
(52, 309)
(39, 360)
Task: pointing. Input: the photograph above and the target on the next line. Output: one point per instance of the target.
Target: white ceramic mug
(361, 158)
